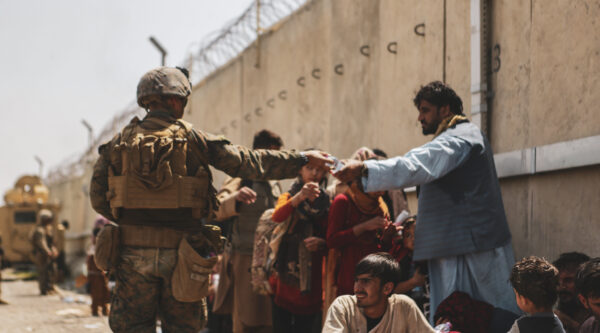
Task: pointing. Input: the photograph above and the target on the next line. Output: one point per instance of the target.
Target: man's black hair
(570, 261)
(439, 94)
(587, 281)
(265, 139)
(381, 265)
(65, 224)
(380, 153)
(537, 280)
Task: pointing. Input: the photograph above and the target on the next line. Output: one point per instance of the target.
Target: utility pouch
(190, 279)
(108, 243)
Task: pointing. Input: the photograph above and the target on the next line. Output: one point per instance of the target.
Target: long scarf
(449, 122)
(294, 261)
(366, 204)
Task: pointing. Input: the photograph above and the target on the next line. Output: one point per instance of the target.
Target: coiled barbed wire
(224, 45)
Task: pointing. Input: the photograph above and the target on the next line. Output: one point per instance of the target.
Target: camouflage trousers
(143, 294)
(45, 273)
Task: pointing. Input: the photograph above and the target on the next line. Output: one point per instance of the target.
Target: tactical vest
(149, 170)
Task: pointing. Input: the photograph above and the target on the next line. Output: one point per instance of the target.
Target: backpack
(267, 238)
(149, 171)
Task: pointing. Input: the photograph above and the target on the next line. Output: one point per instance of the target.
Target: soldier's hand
(319, 159)
(246, 195)
(350, 172)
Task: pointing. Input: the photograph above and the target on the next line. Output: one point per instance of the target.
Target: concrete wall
(370, 104)
(546, 90)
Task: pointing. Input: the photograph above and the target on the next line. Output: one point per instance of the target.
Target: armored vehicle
(19, 216)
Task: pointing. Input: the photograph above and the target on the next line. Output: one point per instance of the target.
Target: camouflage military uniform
(143, 276)
(42, 244)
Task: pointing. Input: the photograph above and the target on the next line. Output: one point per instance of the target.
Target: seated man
(588, 287)
(373, 307)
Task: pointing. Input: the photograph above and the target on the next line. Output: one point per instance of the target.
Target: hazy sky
(66, 60)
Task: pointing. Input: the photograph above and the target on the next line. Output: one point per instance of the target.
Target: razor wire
(205, 57)
(220, 47)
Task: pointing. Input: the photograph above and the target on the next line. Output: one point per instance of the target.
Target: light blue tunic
(461, 220)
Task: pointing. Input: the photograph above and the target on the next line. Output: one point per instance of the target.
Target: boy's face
(592, 304)
(309, 173)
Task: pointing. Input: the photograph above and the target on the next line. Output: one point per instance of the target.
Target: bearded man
(462, 230)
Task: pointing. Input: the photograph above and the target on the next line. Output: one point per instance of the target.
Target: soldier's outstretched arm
(99, 184)
(259, 164)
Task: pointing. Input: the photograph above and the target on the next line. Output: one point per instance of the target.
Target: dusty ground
(29, 312)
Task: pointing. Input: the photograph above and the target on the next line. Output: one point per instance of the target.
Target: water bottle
(443, 328)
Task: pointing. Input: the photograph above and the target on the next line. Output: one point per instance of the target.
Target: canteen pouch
(190, 279)
(107, 249)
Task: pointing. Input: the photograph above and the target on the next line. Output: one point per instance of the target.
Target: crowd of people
(454, 261)
(339, 257)
(372, 248)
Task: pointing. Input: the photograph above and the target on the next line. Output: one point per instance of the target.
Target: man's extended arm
(260, 164)
(421, 165)
(238, 161)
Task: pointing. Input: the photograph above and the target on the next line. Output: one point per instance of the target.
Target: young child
(535, 283)
(587, 284)
(297, 301)
(98, 282)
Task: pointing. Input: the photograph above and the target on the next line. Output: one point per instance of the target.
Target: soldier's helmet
(163, 81)
(46, 214)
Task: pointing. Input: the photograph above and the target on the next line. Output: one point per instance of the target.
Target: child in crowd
(412, 274)
(535, 283)
(587, 283)
(297, 300)
(98, 281)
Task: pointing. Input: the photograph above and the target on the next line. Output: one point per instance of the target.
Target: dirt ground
(27, 311)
